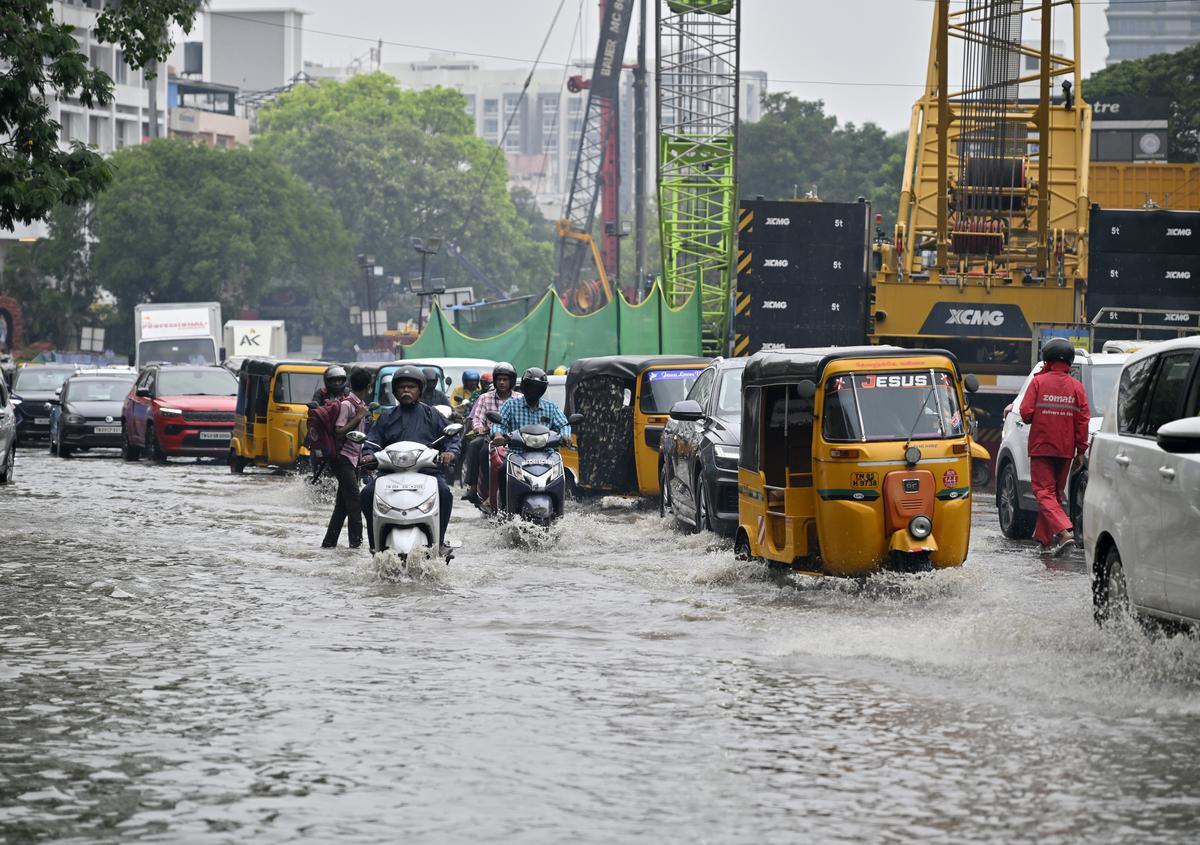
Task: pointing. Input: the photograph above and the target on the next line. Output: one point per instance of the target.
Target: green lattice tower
(697, 88)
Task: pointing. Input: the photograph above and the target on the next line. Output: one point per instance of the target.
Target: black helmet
(432, 376)
(1058, 349)
(335, 378)
(534, 383)
(505, 369)
(408, 372)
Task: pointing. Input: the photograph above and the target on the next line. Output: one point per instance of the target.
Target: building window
(470, 107)
(491, 107)
(491, 128)
(121, 70)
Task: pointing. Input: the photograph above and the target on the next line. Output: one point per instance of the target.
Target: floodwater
(180, 662)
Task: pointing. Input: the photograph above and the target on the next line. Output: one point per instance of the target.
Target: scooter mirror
(493, 417)
(575, 419)
(444, 410)
(356, 436)
(374, 406)
(452, 429)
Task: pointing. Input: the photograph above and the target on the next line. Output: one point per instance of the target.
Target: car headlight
(170, 412)
(74, 419)
(920, 527)
(726, 456)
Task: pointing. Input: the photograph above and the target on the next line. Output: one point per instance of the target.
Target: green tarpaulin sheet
(550, 335)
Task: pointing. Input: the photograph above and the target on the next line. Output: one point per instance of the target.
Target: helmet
(560, 370)
(470, 375)
(505, 369)
(408, 372)
(485, 379)
(335, 377)
(534, 383)
(1058, 349)
(432, 376)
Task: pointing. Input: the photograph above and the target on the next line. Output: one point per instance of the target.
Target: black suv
(34, 392)
(698, 452)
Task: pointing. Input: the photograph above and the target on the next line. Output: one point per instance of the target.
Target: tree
(43, 60)
(796, 150)
(1174, 75)
(53, 279)
(191, 223)
(401, 164)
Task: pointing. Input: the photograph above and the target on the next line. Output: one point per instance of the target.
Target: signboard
(614, 32)
(91, 339)
(177, 322)
(374, 323)
(976, 319)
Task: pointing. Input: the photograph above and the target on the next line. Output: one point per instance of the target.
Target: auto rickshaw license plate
(912, 485)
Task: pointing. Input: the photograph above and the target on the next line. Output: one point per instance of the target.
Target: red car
(179, 411)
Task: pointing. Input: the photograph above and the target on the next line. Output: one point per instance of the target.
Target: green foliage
(53, 279)
(42, 61)
(399, 164)
(797, 150)
(191, 223)
(1174, 75)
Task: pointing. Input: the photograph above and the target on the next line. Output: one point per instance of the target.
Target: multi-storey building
(1140, 28)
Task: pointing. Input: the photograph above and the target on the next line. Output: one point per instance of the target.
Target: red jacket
(1056, 408)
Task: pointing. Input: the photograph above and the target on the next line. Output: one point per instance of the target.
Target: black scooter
(529, 477)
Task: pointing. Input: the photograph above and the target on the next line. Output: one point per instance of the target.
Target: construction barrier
(550, 335)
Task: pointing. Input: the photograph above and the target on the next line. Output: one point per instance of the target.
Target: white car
(453, 368)
(1141, 516)
(1015, 502)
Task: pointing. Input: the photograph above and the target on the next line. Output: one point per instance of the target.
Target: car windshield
(297, 388)
(890, 406)
(98, 390)
(36, 379)
(729, 394)
(663, 388)
(214, 382)
(1101, 381)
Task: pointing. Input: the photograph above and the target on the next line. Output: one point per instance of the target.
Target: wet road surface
(180, 662)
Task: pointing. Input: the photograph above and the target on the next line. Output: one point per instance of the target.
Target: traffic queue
(838, 461)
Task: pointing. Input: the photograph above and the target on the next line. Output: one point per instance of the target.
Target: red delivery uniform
(1056, 408)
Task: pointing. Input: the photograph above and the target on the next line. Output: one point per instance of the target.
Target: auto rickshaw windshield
(891, 406)
(663, 388)
(297, 388)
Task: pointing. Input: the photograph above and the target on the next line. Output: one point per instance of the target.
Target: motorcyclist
(1056, 408)
(335, 385)
(409, 419)
(504, 378)
(461, 395)
(432, 394)
(530, 408)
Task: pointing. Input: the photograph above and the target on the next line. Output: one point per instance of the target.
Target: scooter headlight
(535, 441)
(429, 504)
(920, 527)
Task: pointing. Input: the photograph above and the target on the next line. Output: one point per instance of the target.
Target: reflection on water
(181, 662)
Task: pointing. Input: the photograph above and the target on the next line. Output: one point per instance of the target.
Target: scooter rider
(531, 408)
(504, 378)
(461, 395)
(1056, 408)
(432, 394)
(409, 419)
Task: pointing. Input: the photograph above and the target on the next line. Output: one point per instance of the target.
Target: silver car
(8, 435)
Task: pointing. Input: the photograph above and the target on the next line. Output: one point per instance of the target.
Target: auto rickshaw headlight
(912, 456)
(920, 527)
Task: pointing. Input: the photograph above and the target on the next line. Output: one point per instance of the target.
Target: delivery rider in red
(1056, 408)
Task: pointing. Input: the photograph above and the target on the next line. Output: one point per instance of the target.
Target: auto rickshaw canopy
(627, 368)
(789, 366)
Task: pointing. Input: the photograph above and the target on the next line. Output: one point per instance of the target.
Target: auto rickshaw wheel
(741, 546)
(236, 464)
(909, 562)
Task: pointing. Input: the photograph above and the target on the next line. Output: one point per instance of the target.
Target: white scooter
(406, 513)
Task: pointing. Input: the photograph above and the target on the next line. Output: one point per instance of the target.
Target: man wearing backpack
(352, 413)
(321, 418)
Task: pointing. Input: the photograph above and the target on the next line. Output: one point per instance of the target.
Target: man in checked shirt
(531, 408)
(475, 468)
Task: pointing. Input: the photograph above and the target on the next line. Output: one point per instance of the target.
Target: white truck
(177, 333)
(262, 338)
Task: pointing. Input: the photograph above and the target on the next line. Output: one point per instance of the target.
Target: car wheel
(1016, 524)
(128, 451)
(6, 477)
(664, 491)
(1078, 489)
(703, 511)
(1110, 595)
(153, 451)
(64, 451)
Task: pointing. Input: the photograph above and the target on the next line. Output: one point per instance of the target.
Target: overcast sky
(805, 46)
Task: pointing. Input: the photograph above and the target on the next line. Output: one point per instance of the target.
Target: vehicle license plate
(215, 435)
(41, 420)
(108, 429)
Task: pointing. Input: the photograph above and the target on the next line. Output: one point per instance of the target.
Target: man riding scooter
(412, 420)
(530, 408)
(475, 469)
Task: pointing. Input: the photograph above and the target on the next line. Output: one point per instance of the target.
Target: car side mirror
(806, 389)
(493, 417)
(58, 392)
(575, 419)
(1181, 437)
(144, 392)
(687, 410)
(971, 383)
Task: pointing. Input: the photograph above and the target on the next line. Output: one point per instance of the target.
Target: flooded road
(180, 662)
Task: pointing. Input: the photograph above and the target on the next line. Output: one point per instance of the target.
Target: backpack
(322, 423)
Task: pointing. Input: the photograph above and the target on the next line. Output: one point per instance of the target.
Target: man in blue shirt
(530, 408)
(413, 420)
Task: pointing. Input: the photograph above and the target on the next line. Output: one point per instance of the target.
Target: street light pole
(427, 247)
(420, 308)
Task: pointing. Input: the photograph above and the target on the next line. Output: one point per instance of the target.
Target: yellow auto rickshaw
(625, 401)
(272, 412)
(855, 459)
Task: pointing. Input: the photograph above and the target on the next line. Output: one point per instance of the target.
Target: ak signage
(976, 319)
